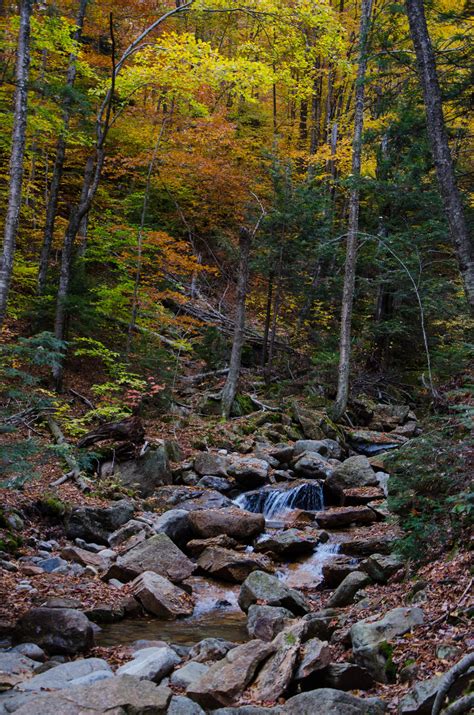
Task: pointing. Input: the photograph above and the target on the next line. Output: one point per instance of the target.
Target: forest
(236, 357)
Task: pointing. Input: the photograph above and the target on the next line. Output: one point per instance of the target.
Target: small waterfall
(270, 502)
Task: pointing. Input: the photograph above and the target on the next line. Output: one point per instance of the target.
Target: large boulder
(226, 680)
(209, 464)
(287, 544)
(161, 597)
(340, 517)
(95, 524)
(328, 448)
(210, 649)
(372, 443)
(232, 566)
(62, 631)
(266, 589)
(190, 498)
(175, 524)
(151, 664)
(147, 472)
(370, 640)
(347, 676)
(326, 701)
(314, 657)
(180, 705)
(335, 571)
(132, 528)
(347, 589)
(249, 472)
(195, 547)
(158, 554)
(366, 545)
(237, 523)
(65, 675)
(381, 567)
(188, 674)
(121, 694)
(353, 472)
(14, 669)
(276, 674)
(311, 465)
(265, 622)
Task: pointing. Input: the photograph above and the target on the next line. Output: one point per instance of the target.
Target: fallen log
(75, 472)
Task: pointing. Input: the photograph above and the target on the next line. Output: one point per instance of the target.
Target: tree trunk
(52, 206)
(268, 315)
(17, 154)
(230, 388)
(353, 224)
(438, 137)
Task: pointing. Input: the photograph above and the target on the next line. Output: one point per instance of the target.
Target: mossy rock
(52, 507)
(386, 649)
(241, 406)
(10, 544)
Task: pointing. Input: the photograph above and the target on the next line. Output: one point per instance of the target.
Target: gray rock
(380, 567)
(249, 472)
(210, 649)
(158, 554)
(369, 638)
(283, 453)
(175, 524)
(116, 695)
(326, 701)
(347, 676)
(347, 589)
(286, 544)
(30, 650)
(125, 532)
(15, 668)
(268, 590)
(151, 664)
(335, 571)
(65, 675)
(161, 597)
(147, 472)
(321, 624)
(248, 710)
(276, 673)
(190, 498)
(226, 680)
(313, 466)
(353, 472)
(236, 523)
(195, 547)
(419, 700)
(233, 566)
(314, 656)
(209, 464)
(218, 483)
(97, 523)
(188, 674)
(340, 517)
(265, 622)
(52, 564)
(366, 545)
(57, 630)
(179, 705)
(326, 447)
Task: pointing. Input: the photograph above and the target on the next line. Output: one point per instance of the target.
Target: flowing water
(274, 502)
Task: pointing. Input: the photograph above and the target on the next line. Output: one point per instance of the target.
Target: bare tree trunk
(17, 154)
(52, 206)
(268, 315)
(353, 225)
(276, 310)
(230, 388)
(438, 137)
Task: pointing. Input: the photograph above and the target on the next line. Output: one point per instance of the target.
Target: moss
(52, 506)
(290, 639)
(390, 668)
(242, 405)
(3, 520)
(10, 544)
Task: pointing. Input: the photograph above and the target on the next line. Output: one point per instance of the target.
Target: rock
(175, 524)
(347, 589)
(14, 669)
(328, 448)
(30, 650)
(237, 523)
(314, 656)
(188, 674)
(369, 639)
(230, 565)
(268, 590)
(314, 423)
(276, 673)
(53, 564)
(106, 613)
(97, 523)
(179, 705)
(312, 465)
(151, 664)
(65, 675)
(57, 631)
(335, 571)
(249, 472)
(287, 544)
(283, 453)
(419, 700)
(161, 597)
(326, 701)
(146, 472)
(265, 622)
(197, 546)
(365, 546)
(372, 443)
(209, 464)
(340, 517)
(125, 532)
(218, 483)
(321, 624)
(227, 679)
(353, 472)
(347, 676)
(158, 554)
(58, 602)
(116, 695)
(210, 649)
(410, 429)
(380, 567)
(81, 556)
(248, 710)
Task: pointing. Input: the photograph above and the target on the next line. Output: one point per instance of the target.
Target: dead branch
(449, 678)
(75, 472)
(82, 398)
(261, 405)
(463, 705)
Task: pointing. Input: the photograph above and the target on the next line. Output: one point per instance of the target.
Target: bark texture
(438, 137)
(353, 224)
(17, 154)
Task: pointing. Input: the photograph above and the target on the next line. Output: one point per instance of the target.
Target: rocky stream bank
(256, 578)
